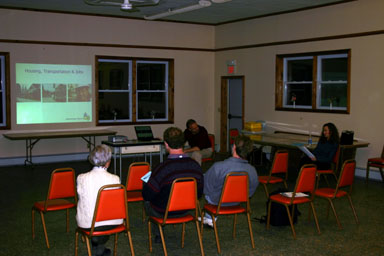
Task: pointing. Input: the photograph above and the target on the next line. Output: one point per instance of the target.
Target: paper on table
(306, 151)
(145, 178)
(289, 194)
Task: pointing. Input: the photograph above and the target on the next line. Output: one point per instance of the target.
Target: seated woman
(326, 148)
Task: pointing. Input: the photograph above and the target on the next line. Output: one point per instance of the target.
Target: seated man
(214, 178)
(88, 185)
(156, 190)
(198, 140)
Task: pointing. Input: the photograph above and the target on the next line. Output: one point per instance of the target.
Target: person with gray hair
(88, 185)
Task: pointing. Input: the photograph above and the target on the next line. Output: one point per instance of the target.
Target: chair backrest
(111, 203)
(347, 174)
(212, 140)
(233, 133)
(135, 172)
(280, 162)
(307, 179)
(62, 184)
(183, 195)
(335, 159)
(235, 188)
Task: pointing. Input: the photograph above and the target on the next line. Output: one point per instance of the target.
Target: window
(134, 90)
(317, 82)
(4, 91)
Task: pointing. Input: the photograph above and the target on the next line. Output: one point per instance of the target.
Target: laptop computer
(144, 133)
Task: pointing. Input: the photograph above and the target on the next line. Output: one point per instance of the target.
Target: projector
(117, 138)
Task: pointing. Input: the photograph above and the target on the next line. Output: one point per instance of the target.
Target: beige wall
(258, 66)
(194, 70)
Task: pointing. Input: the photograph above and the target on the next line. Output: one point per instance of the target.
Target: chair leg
(216, 234)
(250, 230)
(315, 217)
(33, 223)
(88, 246)
(45, 229)
(199, 237)
(149, 236)
(182, 235)
(76, 242)
(115, 246)
(67, 228)
(268, 214)
(130, 242)
(353, 209)
(162, 239)
(290, 221)
(266, 190)
(334, 213)
(367, 175)
(202, 222)
(234, 226)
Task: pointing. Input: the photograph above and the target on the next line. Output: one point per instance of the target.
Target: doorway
(232, 108)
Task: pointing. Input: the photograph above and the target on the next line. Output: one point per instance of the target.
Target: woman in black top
(326, 148)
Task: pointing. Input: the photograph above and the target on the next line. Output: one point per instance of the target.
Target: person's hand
(313, 159)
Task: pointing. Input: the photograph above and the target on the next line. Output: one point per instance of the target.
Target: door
(232, 108)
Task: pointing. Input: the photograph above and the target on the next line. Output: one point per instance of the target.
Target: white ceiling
(217, 13)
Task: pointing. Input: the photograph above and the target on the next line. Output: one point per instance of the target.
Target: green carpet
(22, 186)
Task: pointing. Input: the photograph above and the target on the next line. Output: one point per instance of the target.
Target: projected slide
(48, 93)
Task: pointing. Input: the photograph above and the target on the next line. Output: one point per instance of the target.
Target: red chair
(305, 184)
(183, 197)
(212, 139)
(345, 181)
(280, 167)
(233, 133)
(332, 171)
(111, 203)
(61, 196)
(235, 190)
(377, 162)
(134, 184)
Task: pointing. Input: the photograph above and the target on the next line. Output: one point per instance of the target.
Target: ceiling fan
(126, 5)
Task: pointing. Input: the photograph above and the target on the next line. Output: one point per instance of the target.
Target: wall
(194, 64)
(257, 64)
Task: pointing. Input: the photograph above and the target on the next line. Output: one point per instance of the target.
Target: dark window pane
(2, 108)
(151, 105)
(114, 105)
(300, 70)
(150, 76)
(301, 93)
(335, 93)
(334, 69)
(113, 75)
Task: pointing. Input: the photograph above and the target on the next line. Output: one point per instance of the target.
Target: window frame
(133, 100)
(5, 123)
(281, 73)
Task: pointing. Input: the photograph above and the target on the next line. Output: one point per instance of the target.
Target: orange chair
(346, 178)
(305, 184)
(377, 162)
(235, 190)
(183, 197)
(212, 139)
(134, 183)
(233, 133)
(279, 166)
(332, 171)
(61, 189)
(111, 203)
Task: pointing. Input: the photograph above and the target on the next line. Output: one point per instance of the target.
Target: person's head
(243, 146)
(100, 155)
(329, 133)
(192, 126)
(174, 137)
